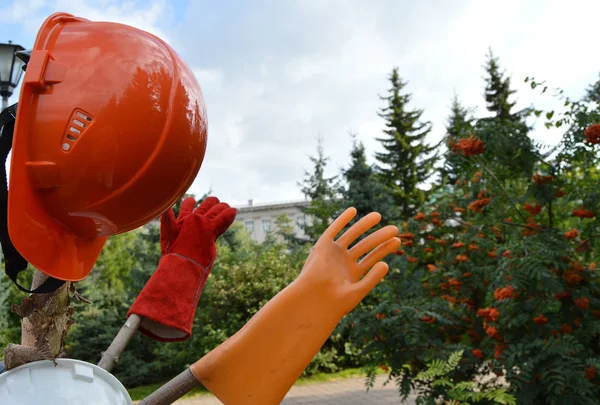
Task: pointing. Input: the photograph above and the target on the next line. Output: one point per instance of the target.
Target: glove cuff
(205, 264)
(168, 301)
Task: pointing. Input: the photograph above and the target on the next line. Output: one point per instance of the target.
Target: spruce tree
(323, 195)
(459, 121)
(458, 125)
(404, 164)
(497, 89)
(362, 189)
(509, 149)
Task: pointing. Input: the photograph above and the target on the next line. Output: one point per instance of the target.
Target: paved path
(343, 392)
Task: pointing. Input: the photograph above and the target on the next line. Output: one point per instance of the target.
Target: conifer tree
(406, 161)
(509, 149)
(323, 195)
(362, 189)
(498, 89)
(458, 125)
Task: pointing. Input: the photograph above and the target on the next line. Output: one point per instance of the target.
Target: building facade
(260, 219)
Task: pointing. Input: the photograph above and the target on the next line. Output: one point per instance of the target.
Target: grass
(139, 393)
(328, 377)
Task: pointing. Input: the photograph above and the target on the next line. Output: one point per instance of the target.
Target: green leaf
(442, 382)
(553, 306)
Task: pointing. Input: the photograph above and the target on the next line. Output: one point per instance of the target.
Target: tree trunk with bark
(46, 318)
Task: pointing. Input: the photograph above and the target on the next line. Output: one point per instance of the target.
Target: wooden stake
(111, 356)
(172, 390)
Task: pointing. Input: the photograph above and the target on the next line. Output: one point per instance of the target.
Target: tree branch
(493, 176)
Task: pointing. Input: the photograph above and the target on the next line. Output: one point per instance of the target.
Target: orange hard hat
(110, 132)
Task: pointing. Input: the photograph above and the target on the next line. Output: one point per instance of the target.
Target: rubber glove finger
(377, 254)
(186, 208)
(339, 224)
(373, 240)
(224, 220)
(206, 205)
(364, 224)
(369, 281)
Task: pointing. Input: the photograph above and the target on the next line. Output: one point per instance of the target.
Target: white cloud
(333, 85)
(32, 13)
(275, 75)
(19, 10)
(209, 78)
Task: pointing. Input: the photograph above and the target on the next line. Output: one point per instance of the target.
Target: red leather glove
(169, 299)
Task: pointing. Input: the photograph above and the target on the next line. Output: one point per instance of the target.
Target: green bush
(246, 275)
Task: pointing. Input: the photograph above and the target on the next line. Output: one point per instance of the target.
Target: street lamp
(10, 70)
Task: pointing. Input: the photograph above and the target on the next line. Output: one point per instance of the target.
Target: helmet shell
(111, 131)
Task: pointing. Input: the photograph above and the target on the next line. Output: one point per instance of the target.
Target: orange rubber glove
(168, 301)
(260, 363)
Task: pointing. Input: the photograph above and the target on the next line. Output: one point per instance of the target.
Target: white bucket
(70, 382)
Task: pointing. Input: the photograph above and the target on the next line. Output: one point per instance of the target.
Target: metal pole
(4, 103)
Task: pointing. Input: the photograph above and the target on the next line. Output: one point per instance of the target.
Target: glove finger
(187, 206)
(216, 210)
(206, 205)
(224, 220)
(168, 215)
(168, 230)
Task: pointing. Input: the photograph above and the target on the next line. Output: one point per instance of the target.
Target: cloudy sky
(277, 74)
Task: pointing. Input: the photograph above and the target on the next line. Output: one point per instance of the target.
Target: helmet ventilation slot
(76, 127)
(84, 116)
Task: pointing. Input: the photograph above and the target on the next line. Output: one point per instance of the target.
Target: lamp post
(10, 70)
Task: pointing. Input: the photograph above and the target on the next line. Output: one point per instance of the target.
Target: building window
(249, 226)
(266, 225)
(301, 221)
